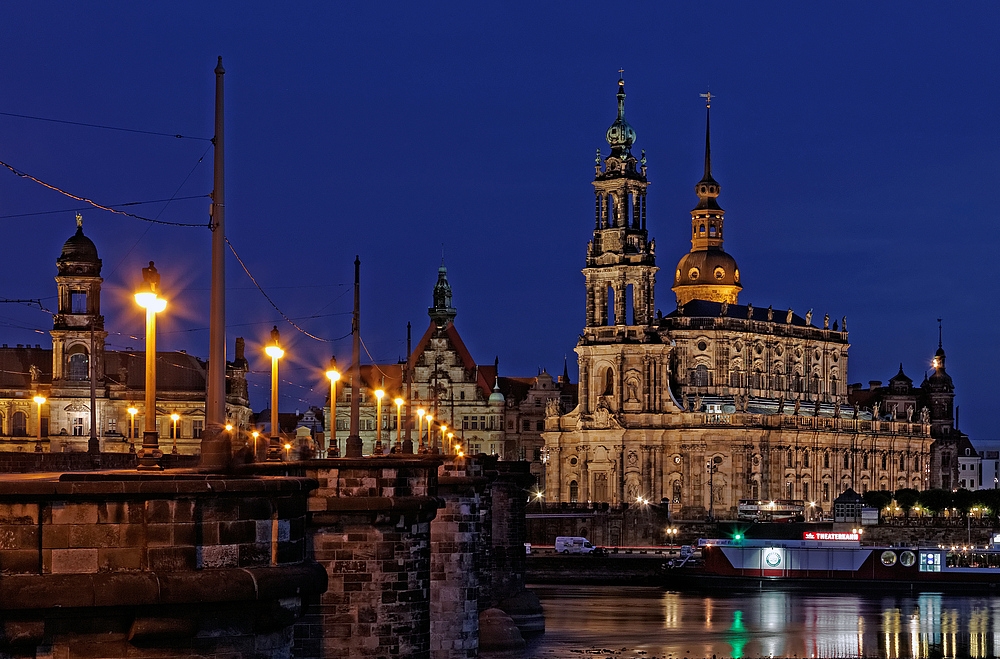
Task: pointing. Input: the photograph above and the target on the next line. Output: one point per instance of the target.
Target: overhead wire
(118, 128)
(93, 203)
(83, 208)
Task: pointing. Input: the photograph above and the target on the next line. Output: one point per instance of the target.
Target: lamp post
(41, 401)
(132, 411)
(174, 417)
(275, 352)
(420, 429)
(429, 446)
(378, 421)
(333, 450)
(148, 298)
(451, 443)
(255, 435)
(399, 423)
(712, 466)
(444, 429)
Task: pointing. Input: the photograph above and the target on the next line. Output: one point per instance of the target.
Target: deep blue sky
(856, 145)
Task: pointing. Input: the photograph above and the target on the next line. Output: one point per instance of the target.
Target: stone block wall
(370, 529)
(31, 462)
(455, 538)
(112, 565)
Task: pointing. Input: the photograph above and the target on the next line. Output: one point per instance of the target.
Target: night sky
(856, 145)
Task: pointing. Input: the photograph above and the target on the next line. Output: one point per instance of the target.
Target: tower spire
(708, 137)
(939, 334)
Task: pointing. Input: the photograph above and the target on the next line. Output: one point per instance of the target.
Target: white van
(573, 545)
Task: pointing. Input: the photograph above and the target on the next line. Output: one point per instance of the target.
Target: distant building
(63, 375)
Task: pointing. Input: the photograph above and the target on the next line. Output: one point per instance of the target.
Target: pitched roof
(484, 374)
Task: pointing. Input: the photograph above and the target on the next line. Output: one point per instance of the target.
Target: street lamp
(451, 443)
(275, 352)
(174, 417)
(41, 401)
(378, 421)
(399, 424)
(255, 435)
(148, 298)
(132, 411)
(288, 451)
(420, 429)
(333, 450)
(429, 446)
(444, 428)
(712, 466)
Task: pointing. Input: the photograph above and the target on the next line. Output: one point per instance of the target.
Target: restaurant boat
(834, 561)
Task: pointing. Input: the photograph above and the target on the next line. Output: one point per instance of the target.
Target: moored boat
(835, 561)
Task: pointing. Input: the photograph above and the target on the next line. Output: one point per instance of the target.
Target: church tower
(707, 272)
(78, 326)
(941, 392)
(621, 265)
(620, 354)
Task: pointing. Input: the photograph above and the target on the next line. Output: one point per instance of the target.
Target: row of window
(790, 461)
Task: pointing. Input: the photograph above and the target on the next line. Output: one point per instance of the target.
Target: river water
(643, 623)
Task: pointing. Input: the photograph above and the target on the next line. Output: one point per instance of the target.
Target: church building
(717, 401)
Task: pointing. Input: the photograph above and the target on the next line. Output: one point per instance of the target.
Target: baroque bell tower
(78, 328)
(621, 265)
(621, 357)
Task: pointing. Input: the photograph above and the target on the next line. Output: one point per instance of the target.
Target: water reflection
(652, 623)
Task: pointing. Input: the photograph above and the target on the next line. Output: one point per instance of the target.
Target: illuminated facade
(62, 375)
(715, 399)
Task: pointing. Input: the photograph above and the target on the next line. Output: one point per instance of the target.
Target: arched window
(847, 461)
(19, 424)
(676, 496)
(734, 379)
(833, 386)
(754, 490)
(699, 376)
(826, 460)
(610, 307)
(574, 491)
(884, 462)
(609, 382)
(864, 462)
(902, 463)
(916, 463)
(791, 458)
(711, 230)
(815, 384)
(78, 365)
(805, 459)
(701, 229)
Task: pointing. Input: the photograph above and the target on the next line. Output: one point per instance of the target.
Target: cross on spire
(939, 333)
(621, 73)
(708, 99)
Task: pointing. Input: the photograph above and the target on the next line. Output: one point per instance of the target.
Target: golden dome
(709, 274)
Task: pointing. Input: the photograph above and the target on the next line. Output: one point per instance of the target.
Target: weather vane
(708, 99)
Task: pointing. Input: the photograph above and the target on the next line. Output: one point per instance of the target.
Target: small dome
(496, 396)
(621, 136)
(79, 248)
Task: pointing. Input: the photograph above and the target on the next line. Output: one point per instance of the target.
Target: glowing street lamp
(451, 442)
(132, 411)
(148, 298)
(429, 446)
(420, 429)
(288, 451)
(333, 450)
(378, 421)
(175, 417)
(444, 429)
(399, 424)
(275, 352)
(255, 435)
(41, 401)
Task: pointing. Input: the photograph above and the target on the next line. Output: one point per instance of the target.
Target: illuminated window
(78, 426)
(197, 428)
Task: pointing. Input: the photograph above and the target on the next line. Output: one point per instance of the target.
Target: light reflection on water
(649, 622)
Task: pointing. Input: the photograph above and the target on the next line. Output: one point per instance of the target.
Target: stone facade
(62, 375)
(716, 401)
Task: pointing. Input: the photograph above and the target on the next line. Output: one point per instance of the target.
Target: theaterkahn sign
(838, 537)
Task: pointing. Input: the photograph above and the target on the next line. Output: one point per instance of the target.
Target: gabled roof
(485, 375)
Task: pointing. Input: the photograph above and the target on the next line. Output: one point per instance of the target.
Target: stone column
(455, 538)
(370, 529)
